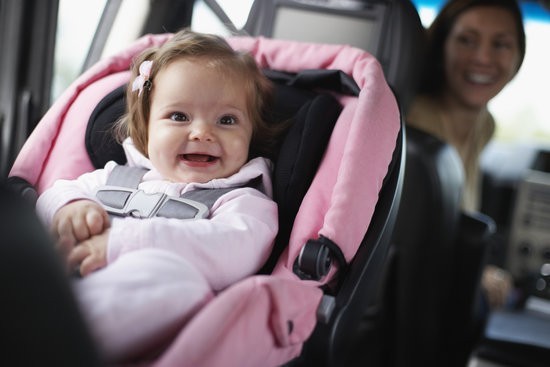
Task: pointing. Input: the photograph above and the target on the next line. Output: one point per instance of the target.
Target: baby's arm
(68, 208)
(232, 244)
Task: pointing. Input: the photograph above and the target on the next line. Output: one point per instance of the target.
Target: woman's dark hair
(433, 78)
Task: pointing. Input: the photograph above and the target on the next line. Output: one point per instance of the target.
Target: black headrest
(99, 139)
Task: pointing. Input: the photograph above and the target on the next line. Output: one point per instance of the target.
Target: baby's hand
(89, 255)
(77, 222)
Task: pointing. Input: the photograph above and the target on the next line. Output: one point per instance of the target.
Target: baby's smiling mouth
(194, 157)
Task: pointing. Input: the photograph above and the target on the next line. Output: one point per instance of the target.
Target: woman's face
(481, 55)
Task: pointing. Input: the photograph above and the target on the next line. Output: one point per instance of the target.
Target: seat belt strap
(209, 196)
(123, 176)
(120, 197)
(126, 176)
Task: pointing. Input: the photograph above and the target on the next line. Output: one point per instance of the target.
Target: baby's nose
(201, 131)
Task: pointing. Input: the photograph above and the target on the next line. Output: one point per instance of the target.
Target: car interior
(410, 295)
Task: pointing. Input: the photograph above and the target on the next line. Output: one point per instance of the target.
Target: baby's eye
(228, 120)
(179, 116)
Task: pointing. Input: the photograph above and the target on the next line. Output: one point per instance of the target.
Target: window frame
(27, 30)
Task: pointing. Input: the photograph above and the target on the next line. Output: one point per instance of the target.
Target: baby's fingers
(66, 239)
(91, 264)
(97, 220)
(80, 227)
(77, 256)
(64, 245)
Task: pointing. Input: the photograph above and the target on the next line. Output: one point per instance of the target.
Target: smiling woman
(518, 120)
(475, 47)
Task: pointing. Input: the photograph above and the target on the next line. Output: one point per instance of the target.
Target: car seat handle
(315, 259)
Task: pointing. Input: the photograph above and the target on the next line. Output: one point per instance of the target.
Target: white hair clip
(142, 80)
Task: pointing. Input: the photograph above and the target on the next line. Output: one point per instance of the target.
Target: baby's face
(199, 127)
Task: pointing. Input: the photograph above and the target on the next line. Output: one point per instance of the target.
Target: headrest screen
(316, 26)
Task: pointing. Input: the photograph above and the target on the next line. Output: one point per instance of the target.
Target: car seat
(440, 251)
(345, 217)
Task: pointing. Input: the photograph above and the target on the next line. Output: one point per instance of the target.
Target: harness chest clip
(138, 204)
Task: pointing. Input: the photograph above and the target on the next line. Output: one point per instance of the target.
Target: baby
(195, 120)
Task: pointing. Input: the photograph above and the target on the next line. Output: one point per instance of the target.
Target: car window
(78, 22)
(517, 118)
(520, 110)
(205, 20)
(76, 26)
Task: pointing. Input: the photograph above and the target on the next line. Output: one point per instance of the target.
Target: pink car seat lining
(262, 338)
(68, 118)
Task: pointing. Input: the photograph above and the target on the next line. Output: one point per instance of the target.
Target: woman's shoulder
(487, 129)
